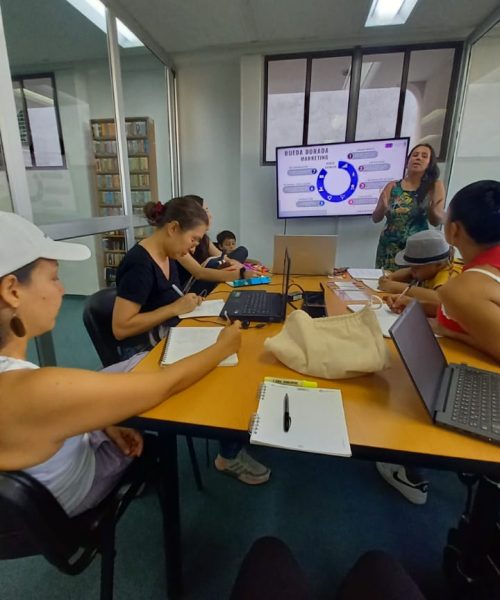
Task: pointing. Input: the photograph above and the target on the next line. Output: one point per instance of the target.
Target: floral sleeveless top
(405, 217)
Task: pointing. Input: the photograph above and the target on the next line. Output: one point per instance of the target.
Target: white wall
(209, 125)
(220, 103)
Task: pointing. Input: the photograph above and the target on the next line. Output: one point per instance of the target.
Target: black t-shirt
(140, 280)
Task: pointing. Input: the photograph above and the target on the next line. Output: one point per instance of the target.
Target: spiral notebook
(317, 420)
(185, 341)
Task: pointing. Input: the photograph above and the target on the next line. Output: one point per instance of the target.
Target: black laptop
(457, 396)
(259, 305)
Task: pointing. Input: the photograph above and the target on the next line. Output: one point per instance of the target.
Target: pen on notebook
(177, 290)
(297, 382)
(405, 291)
(287, 420)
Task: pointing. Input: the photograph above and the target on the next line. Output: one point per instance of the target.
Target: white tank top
(70, 472)
(484, 272)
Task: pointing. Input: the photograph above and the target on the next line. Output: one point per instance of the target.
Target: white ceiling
(178, 26)
(53, 32)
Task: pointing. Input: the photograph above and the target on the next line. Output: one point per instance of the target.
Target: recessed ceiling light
(95, 11)
(389, 12)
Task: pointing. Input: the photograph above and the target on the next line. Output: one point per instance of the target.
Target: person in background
(204, 263)
(470, 303)
(149, 300)
(226, 242)
(428, 263)
(409, 205)
(59, 424)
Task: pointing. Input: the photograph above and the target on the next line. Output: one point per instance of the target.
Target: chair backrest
(33, 522)
(97, 315)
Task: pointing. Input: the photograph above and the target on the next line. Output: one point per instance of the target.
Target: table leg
(169, 498)
(469, 556)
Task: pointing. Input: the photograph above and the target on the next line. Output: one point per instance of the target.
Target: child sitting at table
(428, 263)
(226, 242)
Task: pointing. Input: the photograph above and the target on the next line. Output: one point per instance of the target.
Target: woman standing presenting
(409, 205)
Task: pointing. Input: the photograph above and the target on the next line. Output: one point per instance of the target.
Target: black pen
(287, 420)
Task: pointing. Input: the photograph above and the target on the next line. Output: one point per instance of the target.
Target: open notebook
(185, 341)
(317, 420)
(208, 308)
(386, 318)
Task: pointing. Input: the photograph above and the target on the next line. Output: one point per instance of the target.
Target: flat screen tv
(344, 179)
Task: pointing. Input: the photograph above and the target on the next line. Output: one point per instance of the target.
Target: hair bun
(153, 212)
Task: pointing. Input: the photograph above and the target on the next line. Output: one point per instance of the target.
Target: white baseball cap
(21, 243)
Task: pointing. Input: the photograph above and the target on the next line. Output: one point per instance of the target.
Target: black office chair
(32, 522)
(97, 315)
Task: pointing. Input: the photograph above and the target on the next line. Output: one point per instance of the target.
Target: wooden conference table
(386, 419)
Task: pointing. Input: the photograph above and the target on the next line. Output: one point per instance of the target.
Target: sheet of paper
(357, 296)
(208, 308)
(384, 314)
(371, 283)
(185, 341)
(365, 273)
(346, 285)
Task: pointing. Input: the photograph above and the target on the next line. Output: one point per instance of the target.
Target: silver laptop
(456, 396)
(309, 254)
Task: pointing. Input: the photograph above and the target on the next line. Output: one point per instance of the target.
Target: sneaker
(395, 475)
(243, 467)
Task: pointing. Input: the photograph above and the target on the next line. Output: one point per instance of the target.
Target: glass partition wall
(66, 85)
(477, 154)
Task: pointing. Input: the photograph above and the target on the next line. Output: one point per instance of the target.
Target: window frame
(20, 80)
(356, 55)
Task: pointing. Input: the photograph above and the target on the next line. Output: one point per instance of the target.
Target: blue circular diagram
(324, 193)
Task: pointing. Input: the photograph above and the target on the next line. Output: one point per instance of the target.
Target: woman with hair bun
(409, 205)
(149, 298)
(147, 280)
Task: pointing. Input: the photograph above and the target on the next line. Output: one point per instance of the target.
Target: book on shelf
(136, 146)
(143, 181)
(107, 129)
(110, 165)
(110, 275)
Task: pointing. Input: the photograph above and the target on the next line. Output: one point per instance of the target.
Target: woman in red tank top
(470, 309)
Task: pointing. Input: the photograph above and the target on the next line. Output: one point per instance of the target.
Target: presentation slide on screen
(336, 179)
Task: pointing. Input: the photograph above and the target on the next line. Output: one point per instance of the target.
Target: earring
(17, 326)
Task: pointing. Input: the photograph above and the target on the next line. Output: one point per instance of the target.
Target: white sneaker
(244, 468)
(395, 475)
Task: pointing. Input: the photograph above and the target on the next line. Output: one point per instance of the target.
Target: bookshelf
(143, 182)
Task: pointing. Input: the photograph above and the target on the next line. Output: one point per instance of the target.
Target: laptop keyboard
(477, 401)
(255, 303)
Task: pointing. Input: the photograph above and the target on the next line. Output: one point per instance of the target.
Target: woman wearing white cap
(46, 412)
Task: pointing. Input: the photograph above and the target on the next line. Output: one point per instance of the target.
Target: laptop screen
(286, 280)
(422, 355)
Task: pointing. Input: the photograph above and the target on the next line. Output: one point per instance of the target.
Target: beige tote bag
(331, 347)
